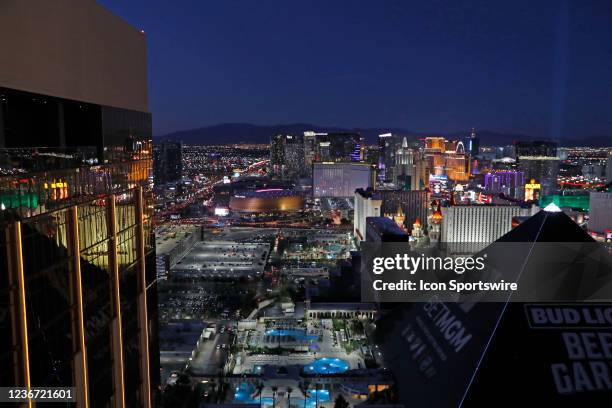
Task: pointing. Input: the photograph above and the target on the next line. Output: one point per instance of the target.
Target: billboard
(438, 183)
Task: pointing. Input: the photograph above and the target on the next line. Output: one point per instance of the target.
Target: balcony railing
(26, 194)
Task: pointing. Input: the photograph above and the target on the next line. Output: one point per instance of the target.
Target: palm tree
(341, 402)
(304, 388)
(289, 391)
(274, 389)
(260, 388)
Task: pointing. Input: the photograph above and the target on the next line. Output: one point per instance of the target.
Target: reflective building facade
(340, 179)
(168, 162)
(386, 157)
(287, 159)
(539, 161)
(77, 257)
(333, 147)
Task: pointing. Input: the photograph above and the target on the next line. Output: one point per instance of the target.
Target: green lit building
(572, 201)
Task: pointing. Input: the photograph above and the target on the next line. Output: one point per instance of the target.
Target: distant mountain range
(230, 133)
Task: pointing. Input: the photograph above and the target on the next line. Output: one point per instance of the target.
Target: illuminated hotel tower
(447, 158)
(539, 160)
(386, 157)
(287, 156)
(404, 166)
(78, 301)
(481, 224)
(473, 143)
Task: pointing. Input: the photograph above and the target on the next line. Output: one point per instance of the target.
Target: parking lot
(223, 260)
(204, 300)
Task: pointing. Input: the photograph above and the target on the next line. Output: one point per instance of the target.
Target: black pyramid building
(556, 353)
(510, 354)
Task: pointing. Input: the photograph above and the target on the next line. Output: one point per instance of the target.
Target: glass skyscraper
(167, 162)
(287, 156)
(539, 161)
(78, 303)
(340, 179)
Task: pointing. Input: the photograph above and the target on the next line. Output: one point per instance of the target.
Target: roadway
(211, 356)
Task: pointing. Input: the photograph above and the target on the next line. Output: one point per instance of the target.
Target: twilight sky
(542, 68)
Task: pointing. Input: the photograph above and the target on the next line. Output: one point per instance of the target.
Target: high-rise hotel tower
(78, 304)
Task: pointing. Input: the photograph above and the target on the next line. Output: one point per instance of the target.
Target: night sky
(541, 68)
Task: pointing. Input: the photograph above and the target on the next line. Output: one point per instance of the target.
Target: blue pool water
(311, 401)
(295, 333)
(326, 365)
(245, 394)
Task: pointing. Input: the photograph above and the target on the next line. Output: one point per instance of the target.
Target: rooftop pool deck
(326, 365)
(288, 334)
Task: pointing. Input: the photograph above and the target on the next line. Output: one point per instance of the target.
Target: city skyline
(295, 266)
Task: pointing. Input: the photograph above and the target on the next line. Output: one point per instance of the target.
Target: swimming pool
(326, 365)
(245, 392)
(295, 333)
(313, 397)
